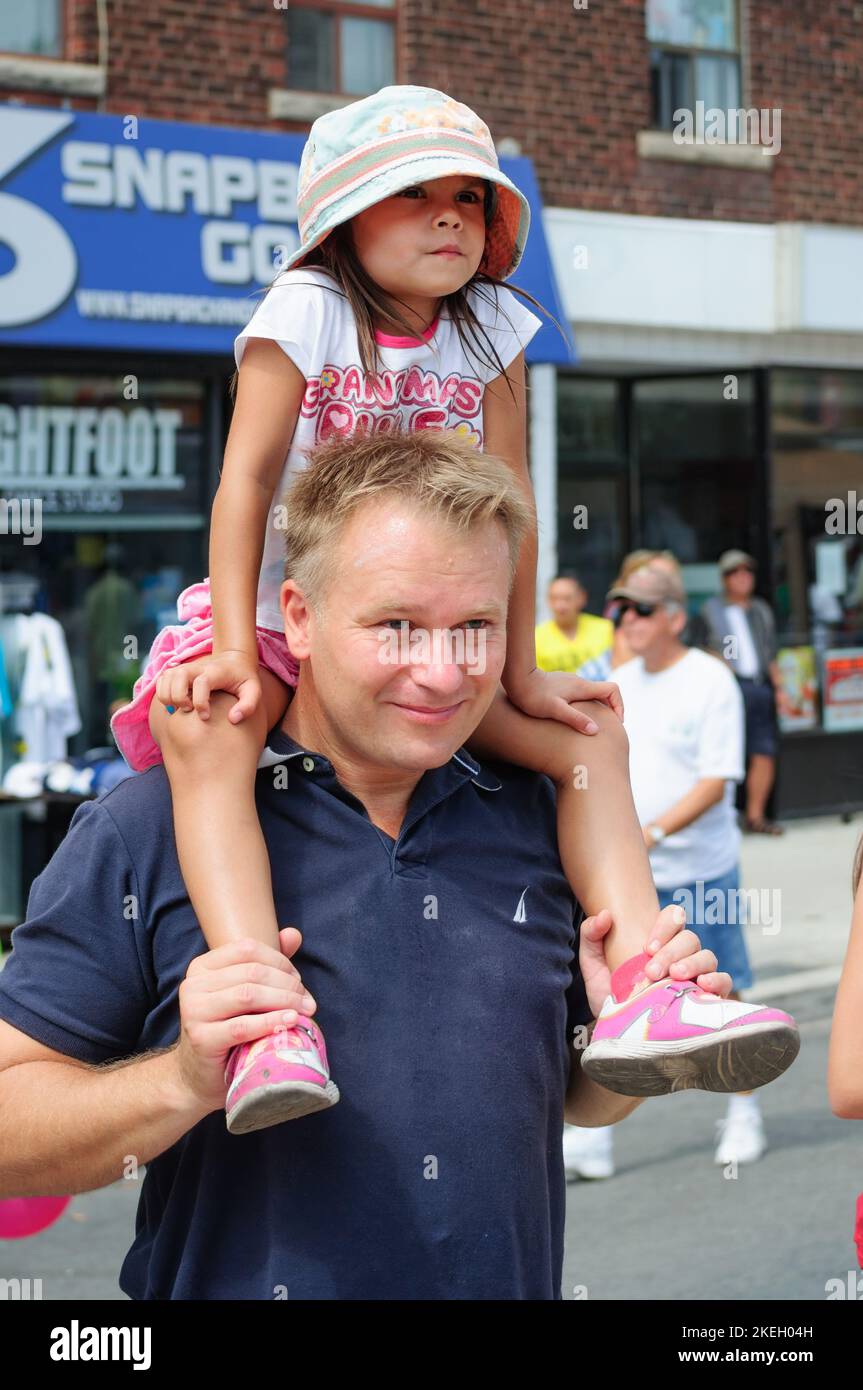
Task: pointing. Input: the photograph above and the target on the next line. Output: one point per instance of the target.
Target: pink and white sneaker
(669, 1035)
(279, 1077)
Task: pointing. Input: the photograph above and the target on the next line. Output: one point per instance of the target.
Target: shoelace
(687, 989)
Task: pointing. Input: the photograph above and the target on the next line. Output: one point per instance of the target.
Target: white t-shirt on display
(424, 384)
(685, 723)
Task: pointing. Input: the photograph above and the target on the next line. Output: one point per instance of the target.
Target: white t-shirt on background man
(425, 384)
(685, 723)
(738, 627)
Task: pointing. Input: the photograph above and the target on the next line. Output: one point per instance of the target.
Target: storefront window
(817, 441)
(695, 442)
(103, 503)
(592, 483)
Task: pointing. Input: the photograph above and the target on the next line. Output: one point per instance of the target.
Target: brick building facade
(572, 85)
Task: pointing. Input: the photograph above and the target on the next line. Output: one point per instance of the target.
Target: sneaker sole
(586, 1175)
(751, 1056)
(287, 1100)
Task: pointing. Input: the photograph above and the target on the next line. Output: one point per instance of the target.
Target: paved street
(669, 1224)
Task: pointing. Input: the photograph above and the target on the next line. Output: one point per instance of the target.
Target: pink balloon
(25, 1216)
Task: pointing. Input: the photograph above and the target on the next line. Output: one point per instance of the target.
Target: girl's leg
(599, 836)
(211, 767)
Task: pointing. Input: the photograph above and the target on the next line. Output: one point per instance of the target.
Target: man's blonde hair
(439, 472)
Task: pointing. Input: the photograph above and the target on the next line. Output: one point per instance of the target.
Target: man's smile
(428, 714)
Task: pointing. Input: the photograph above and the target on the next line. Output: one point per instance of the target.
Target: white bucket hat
(358, 155)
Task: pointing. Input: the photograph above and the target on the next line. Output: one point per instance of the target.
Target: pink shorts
(172, 647)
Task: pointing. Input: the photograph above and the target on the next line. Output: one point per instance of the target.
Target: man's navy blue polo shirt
(444, 966)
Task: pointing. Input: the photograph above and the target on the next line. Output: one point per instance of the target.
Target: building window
(593, 483)
(817, 428)
(698, 460)
(33, 28)
(341, 46)
(694, 56)
(138, 513)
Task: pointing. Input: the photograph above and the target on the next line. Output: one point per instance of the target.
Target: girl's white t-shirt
(423, 384)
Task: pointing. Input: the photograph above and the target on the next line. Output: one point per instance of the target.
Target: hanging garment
(5, 693)
(113, 614)
(47, 711)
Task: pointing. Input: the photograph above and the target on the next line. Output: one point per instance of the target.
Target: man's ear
(297, 615)
(679, 619)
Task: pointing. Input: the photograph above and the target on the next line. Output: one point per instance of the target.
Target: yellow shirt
(557, 652)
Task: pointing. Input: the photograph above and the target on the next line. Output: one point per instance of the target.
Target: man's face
(397, 239)
(739, 582)
(648, 633)
(566, 599)
(406, 655)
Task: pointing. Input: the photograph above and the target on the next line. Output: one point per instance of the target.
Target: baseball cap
(650, 585)
(733, 559)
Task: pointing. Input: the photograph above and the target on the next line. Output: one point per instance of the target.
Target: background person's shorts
(759, 701)
(173, 646)
(718, 934)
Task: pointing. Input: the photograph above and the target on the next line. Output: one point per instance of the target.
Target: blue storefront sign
(117, 232)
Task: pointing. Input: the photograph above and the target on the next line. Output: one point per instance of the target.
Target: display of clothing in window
(45, 706)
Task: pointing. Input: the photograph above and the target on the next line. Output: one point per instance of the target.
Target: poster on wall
(843, 688)
(800, 683)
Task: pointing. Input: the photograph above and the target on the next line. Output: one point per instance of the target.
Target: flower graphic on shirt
(328, 380)
(467, 432)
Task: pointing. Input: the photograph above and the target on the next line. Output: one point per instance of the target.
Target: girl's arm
(505, 425)
(270, 391)
(845, 1061)
(540, 693)
(601, 844)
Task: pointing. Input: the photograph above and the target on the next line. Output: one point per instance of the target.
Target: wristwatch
(657, 833)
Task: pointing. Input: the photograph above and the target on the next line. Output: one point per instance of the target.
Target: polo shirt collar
(281, 748)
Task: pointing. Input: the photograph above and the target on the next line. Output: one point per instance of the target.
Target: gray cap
(650, 584)
(733, 559)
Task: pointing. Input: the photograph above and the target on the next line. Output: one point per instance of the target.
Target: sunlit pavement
(671, 1223)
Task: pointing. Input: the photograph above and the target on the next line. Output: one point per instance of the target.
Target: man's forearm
(589, 1105)
(706, 793)
(65, 1128)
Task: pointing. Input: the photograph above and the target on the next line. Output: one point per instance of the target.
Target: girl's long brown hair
(337, 257)
(857, 870)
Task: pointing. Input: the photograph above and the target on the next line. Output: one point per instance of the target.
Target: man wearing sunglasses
(685, 721)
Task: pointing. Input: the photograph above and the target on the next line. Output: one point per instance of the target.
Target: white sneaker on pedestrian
(741, 1133)
(588, 1152)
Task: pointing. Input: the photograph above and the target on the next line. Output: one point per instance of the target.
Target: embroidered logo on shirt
(520, 914)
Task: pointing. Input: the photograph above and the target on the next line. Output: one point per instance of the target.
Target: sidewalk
(803, 883)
